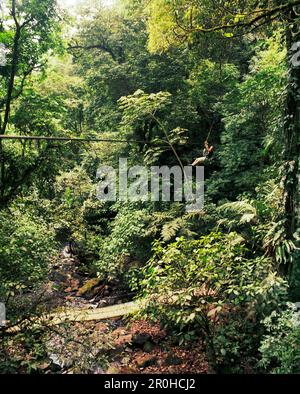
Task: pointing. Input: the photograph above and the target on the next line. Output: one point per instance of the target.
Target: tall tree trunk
(292, 131)
(9, 94)
(11, 82)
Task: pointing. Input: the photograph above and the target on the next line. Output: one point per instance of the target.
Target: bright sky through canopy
(72, 3)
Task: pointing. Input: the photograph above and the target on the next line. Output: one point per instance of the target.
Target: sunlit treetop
(172, 21)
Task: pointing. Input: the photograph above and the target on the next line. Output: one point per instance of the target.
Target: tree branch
(102, 47)
(263, 14)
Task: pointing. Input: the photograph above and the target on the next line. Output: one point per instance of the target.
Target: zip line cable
(81, 140)
(67, 139)
(95, 140)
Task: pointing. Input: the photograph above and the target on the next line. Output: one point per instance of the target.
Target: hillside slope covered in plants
(150, 81)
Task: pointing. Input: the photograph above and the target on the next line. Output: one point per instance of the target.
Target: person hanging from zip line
(208, 152)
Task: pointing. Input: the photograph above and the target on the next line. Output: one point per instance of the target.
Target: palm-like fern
(244, 210)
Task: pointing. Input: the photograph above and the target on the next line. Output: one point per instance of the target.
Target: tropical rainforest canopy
(83, 85)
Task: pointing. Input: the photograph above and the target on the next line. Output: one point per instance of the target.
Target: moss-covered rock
(88, 287)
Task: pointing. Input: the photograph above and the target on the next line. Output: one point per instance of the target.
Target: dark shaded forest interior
(94, 286)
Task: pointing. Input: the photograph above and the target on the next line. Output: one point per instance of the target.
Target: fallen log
(78, 315)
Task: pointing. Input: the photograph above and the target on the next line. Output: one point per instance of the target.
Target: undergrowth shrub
(127, 242)
(26, 246)
(212, 289)
(280, 347)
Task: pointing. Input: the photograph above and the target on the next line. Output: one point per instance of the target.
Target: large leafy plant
(280, 347)
(201, 287)
(26, 246)
(127, 243)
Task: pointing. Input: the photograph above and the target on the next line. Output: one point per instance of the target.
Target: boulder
(139, 340)
(88, 287)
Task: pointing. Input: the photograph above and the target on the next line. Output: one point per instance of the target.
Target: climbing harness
(207, 152)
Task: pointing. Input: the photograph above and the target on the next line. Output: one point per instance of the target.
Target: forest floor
(117, 346)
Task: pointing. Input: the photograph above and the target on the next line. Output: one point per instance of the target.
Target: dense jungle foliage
(164, 76)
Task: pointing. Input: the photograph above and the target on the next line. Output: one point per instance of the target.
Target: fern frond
(171, 229)
(245, 209)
